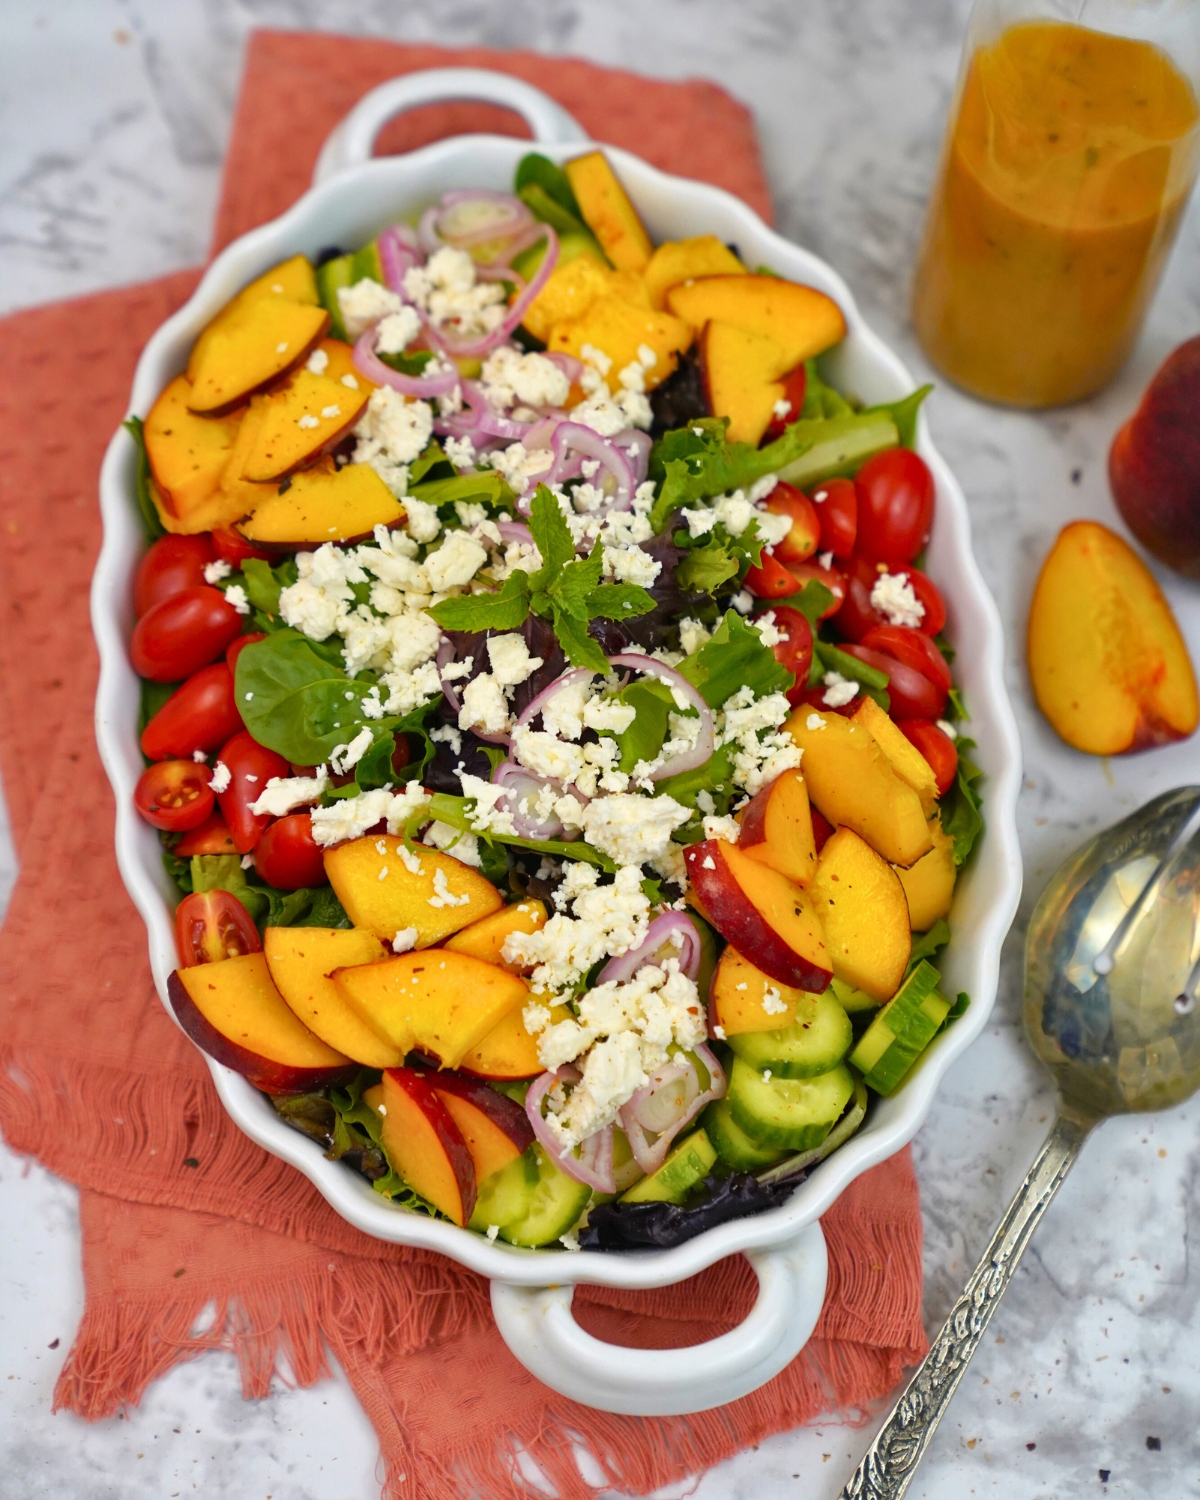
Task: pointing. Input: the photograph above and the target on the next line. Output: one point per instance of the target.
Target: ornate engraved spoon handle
(892, 1459)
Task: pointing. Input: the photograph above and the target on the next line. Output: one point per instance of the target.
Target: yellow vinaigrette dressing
(1062, 185)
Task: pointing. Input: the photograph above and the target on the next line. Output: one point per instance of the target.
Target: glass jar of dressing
(1073, 145)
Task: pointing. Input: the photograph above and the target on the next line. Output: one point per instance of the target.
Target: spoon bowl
(1112, 985)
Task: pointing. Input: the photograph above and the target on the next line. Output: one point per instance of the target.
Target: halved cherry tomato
(233, 651)
(858, 615)
(795, 651)
(233, 548)
(250, 767)
(833, 579)
(211, 926)
(211, 837)
(183, 634)
(836, 503)
(822, 828)
(771, 580)
(174, 795)
(914, 648)
(202, 715)
(173, 563)
(801, 542)
(287, 857)
(895, 506)
(938, 749)
(814, 697)
(795, 383)
(911, 694)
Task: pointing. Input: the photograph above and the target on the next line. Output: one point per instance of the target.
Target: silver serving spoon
(1112, 1007)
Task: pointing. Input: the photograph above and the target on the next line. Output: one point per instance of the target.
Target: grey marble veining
(113, 120)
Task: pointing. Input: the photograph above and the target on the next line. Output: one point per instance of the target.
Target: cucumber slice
(902, 1030)
(343, 271)
(838, 1136)
(803, 1049)
(851, 1000)
(795, 1113)
(505, 1196)
(688, 1164)
(841, 446)
(554, 1205)
(733, 1145)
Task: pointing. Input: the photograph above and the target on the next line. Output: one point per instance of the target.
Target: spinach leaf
(539, 170)
(734, 658)
(651, 702)
(961, 818)
(407, 364)
(264, 584)
(152, 697)
(715, 777)
(151, 521)
(927, 944)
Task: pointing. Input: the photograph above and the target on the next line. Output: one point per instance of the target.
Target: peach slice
(495, 1127)
(864, 915)
(485, 939)
(266, 342)
(741, 371)
(411, 894)
(425, 1146)
(340, 363)
(608, 213)
(301, 959)
(322, 504)
(619, 328)
(292, 281)
(907, 761)
(759, 911)
(739, 990)
(852, 782)
(307, 417)
(801, 320)
(929, 884)
(509, 1051)
(1110, 669)
(444, 1003)
(570, 290)
(187, 453)
(686, 260)
(232, 1011)
(777, 828)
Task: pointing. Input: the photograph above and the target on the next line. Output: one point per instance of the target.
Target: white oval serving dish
(531, 1289)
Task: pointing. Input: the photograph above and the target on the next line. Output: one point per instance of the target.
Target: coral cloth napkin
(179, 1210)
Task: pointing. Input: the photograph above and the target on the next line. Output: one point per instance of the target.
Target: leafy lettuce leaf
(151, 523)
(734, 658)
(961, 817)
(696, 462)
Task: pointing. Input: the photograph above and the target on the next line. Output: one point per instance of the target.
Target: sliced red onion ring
(485, 343)
(573, 441)
(515, 531)
(649, 1154)
(536, 705)
(398, 252)
(636, 446)
(476, 216)
(481, 419)
(687, 760)
(571, 367)
(522, 787)
(593, 1167)
(445, 656)
(659, 944)
(421, 387)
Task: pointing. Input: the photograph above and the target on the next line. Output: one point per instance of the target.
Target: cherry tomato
(801, 542)
(211, 926)
(771, 580)
(250, 767)
(235, 649)
(895, 506)
(858, 615)
(174, 795)
(183, 634)
(822, 828)
(836, 503)
(937, 747)
(814, 697)
(795, 651)
(173, 563)
(795, 383)
(202, 715)
(914, 649)
(233, 548)
(912, 694)
(287, 857)
(833, 579)
(211, 837)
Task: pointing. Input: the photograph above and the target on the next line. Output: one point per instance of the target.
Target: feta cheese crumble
(896, 600)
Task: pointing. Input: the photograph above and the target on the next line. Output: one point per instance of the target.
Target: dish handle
(353, 140)
(537, 1326)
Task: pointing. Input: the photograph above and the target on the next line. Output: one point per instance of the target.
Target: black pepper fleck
(1154, 1444)
(1104, 1473)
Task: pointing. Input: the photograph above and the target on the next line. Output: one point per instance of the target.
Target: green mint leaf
(570, 589)
(549, 529)
(506, 609)
(618, 601)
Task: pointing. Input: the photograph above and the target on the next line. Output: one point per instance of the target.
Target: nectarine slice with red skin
(800, 319)
(291, 281)
(300, 421)
(1109, 667)
(735, 1002)
(929, 884)
(187, 453)
(485, 939)
(608, 212)
(232, 1011)
(425, 1146)
(301, 959)
(495, 1127)
(740, 370)
(269, 341)
(683, 260)
(777, 828)
(864, 915)
(404, 897)
(321, 504)
(760, 912)
(508, 1050)
(907, 761)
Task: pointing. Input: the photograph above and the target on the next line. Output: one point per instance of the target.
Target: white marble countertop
(113, 117)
